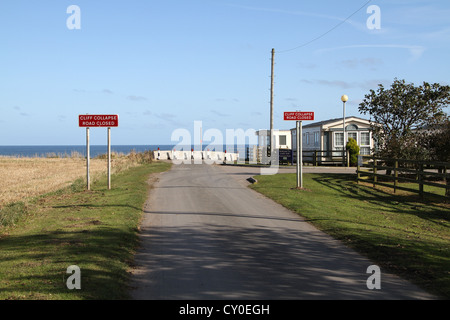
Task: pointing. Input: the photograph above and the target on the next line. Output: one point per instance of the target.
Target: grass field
(22, 178)
(400, 233)
(96, 230)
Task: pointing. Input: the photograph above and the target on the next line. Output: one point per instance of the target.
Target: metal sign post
(299, 155)
(101, 121)
(88, 157)
(109, 158)
(299, 117)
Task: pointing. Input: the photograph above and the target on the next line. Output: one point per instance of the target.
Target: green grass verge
(401, 233)
(12, 212)
(96, 230)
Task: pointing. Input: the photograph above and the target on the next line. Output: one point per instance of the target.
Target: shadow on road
(252, 263)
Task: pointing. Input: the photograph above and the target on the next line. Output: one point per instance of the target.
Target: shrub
(353, 149)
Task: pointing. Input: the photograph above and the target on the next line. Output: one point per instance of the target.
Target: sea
(95, 150)
(67, 151)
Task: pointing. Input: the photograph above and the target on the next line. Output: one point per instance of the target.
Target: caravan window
(282, 140)
(339, 140)
(365, 143)
(316, 138)
(352, 135)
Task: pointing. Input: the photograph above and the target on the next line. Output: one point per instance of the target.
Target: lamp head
(344, 98)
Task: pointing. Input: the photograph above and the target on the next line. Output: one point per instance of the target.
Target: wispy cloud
(335, 83)
(301, 13)
(21, 113)
(440, 35)
(415, 51)
(365, 85)
(226, 100)
(105, 91)
(136, 98)
(220, 114)
(355, 102)
(309, 66)
(166, 116)
(169, 118)
(408, 13)
(371, 63)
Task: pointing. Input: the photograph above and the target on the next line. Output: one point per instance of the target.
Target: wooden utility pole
(271, 103)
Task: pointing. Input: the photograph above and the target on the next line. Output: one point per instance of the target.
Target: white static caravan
(328, 135)
(283, 141)
(283, 138)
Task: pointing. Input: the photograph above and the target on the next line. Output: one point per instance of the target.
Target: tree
(438, 142)
(353, 150)
(439, 145)
(402, 115)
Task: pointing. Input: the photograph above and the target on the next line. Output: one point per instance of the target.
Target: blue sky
(161, 65)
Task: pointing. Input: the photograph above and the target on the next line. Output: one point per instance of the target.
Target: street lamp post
(344, 99)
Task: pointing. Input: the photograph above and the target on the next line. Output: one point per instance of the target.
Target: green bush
(353, 149)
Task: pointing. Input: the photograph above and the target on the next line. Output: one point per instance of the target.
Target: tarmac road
(206, 235)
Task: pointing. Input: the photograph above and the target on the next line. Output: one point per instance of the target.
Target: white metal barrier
(194, 155)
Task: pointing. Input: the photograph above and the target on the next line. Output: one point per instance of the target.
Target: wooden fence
(322, 157)
(326, 157)
(380, 171)
(313, 157)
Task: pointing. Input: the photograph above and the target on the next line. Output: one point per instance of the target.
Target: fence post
(421, 179)
(374, 171)
(395, 176)
(315, 158)
(347, 156)
(358, 168)
(447, 183)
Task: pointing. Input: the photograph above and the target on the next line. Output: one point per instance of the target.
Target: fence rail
(381, 171)
(314, 157)
(319, 157)
(326, 157)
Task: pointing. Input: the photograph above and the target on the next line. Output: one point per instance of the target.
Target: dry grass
(22, 178)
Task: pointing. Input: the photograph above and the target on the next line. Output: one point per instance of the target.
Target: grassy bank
(400, 233)
(95, 230)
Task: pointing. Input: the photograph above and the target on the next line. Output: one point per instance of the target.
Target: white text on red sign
(299, 116)
(98, 120)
